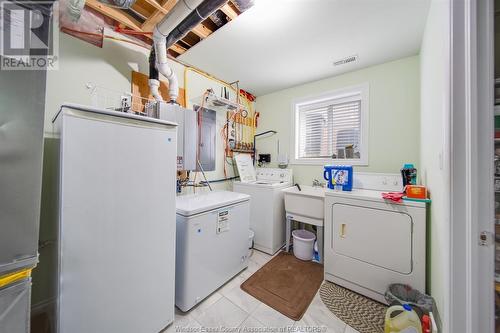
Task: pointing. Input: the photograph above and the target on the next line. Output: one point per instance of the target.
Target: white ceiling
(283, 43)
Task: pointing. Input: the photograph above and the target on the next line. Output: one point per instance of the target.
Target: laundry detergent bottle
(402, 319)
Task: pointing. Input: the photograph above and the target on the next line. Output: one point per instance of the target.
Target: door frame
(471, 299)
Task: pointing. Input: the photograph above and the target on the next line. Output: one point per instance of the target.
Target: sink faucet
(317, 183)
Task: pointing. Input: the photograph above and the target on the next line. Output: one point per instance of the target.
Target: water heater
(187, 132)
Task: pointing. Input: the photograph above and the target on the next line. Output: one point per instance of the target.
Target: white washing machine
(267, 217)
(371, 243)
(211, 243)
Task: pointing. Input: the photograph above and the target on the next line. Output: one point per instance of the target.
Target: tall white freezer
(212, 243)
(116, 222)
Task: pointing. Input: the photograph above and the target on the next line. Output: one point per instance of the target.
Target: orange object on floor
(416, 191)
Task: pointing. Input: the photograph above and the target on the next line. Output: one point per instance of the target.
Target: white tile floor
(231, 310)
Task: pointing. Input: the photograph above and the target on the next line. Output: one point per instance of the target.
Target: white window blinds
(327, 128)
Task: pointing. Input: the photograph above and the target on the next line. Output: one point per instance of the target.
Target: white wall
(394, 108)
(435, 146)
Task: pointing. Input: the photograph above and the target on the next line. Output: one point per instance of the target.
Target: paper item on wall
(245, 167)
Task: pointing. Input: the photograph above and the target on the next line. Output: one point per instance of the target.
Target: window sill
(328, 161)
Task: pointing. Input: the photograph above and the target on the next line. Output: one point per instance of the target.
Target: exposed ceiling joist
(229, 11)
(202, 31)
(177, 48)
(141, 10)
(150, 23)
(116, 14)
(144, 15)
(157, 6)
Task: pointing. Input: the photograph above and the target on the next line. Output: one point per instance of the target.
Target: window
(331, 128)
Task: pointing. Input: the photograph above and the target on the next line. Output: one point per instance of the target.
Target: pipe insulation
(185, 15)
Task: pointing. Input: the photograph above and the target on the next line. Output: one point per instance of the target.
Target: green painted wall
(394, 116)
(435, 168)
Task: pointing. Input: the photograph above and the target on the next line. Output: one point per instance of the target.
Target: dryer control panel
(272, 174)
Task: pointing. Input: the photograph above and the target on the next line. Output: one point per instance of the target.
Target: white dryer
(267, 216)
(371, 243)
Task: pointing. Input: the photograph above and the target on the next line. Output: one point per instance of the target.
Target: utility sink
(308, 203)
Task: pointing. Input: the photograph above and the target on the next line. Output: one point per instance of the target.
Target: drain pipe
(185, 15)
(154, 77)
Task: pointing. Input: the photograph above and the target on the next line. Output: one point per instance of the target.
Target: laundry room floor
(230, 309)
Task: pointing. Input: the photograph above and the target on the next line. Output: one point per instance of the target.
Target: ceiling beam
(140, 10)
(177, 48)
(229, 11)
(157, 6)
(156, 17)
(202, 31)
(115, 14)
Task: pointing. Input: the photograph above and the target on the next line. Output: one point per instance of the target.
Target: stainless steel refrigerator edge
(21, 145)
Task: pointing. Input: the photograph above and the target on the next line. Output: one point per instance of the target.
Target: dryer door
(375, 236)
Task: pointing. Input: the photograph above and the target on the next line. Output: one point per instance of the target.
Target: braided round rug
(361, 313)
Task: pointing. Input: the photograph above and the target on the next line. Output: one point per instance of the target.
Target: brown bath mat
(286, 284)
(361, 313)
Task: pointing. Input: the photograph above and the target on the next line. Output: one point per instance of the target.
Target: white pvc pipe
(161, 31)
(154, 87)
(163, 66)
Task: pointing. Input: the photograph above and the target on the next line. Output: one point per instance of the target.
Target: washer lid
(191, 204)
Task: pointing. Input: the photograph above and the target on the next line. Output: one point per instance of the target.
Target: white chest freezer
(212, 243)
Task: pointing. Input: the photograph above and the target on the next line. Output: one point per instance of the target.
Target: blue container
(339, 177)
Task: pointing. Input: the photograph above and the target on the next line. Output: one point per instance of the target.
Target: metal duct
(243, 5)
(204, 10)
(185, 15)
